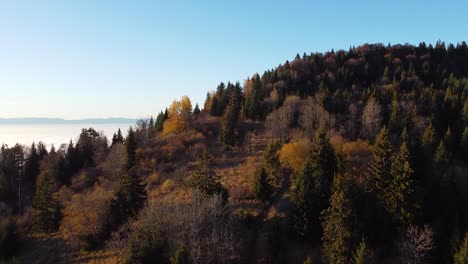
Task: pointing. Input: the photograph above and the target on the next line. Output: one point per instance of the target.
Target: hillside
(346, 155)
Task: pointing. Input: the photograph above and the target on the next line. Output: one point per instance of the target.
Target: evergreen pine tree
(130, 147)
(31, 167)
(362, 255)
(205, 178)
(270, 161)
(399, 191)
(394, 121)
(128, 199)
(229, 121)
(461, 256)
(337, 233)
(159, 124)
(46, 208)
(380, 165)
(196, 110)
(262, 188)
(302, 201)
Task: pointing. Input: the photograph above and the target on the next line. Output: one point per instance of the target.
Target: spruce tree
(159, 124)
(399, 192)
(324, 165)
(128, 199)
(196, 110)
(262, 188)
(362, 255)
(337, 232)
(461, 256)
(205, 178)
(380, 165)
(31, 167)
(46, 208)
(394, 121)
(229, 121)
(270, 161)
(303, 217)
(130, 147)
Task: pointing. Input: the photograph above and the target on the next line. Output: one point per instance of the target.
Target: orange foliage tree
(180, 113)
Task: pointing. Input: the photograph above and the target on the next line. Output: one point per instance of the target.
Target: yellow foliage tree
(294, 154)
(180, 113)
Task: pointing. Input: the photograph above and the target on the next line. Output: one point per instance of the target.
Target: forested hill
(357, 156)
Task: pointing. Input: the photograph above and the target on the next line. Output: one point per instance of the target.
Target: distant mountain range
(58, 121)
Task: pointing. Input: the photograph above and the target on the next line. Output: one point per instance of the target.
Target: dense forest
(357, 156)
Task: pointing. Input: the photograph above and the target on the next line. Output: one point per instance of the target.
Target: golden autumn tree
(294, 154)
(180, 113)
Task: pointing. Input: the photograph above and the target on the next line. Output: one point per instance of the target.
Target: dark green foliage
(31, 167)
(394, 122)
(118, 138)
(9, 241)
(46, 205)
(270, 161)
(337, 232)
(205, 178)
(380, 165)
(303, 216)
(399, 192)
(362, 255)
(262, 188)
(196, 110)
(229, 121)
(130, 147)
(160, 119)
(85, 146)
(461, 256)
(181, 256)
(144, 248)
(312, 187)
(128, 199)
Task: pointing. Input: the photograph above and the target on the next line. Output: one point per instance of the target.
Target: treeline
(355, 156)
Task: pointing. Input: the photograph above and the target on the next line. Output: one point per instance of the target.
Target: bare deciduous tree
(371, 118)
(415, 245)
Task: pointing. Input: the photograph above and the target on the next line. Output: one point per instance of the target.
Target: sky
(93, 59)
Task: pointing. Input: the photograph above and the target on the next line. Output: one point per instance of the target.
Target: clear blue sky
(99, 58)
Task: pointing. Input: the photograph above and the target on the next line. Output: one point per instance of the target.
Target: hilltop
(328, 158)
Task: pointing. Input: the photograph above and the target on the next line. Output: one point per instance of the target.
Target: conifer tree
(302, 201)
(337, 233)
(394, 121)
(196, 110)
(380, 165)
(399, 190)
(46, 206)
(159, 124)
(230, 121)
(428, 143)
(362, 255)
(130, 146)
(128, 199)
(270, 160)
(324, 167)
(461, 256)
(205, 178)
(31, 167)
(262, 188)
